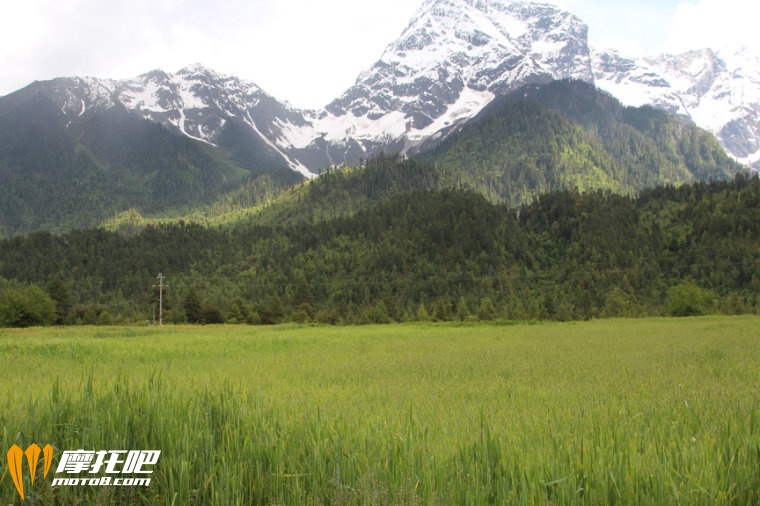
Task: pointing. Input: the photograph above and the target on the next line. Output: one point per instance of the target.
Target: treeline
(422, 255)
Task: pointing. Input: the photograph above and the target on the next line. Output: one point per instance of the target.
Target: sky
(304, 51)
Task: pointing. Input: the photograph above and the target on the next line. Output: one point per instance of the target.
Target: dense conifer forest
(396, 246)
(567, 134)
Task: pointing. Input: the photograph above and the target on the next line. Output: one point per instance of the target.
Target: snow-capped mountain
(717, 90)
(195, 101)
(456, 56)
(452, 60)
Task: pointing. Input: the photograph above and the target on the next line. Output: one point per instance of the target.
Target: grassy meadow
(649, 411)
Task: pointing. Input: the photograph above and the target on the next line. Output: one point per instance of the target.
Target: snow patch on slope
(468, 105)
(718, 91)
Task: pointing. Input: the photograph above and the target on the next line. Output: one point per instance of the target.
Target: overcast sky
(303, 51)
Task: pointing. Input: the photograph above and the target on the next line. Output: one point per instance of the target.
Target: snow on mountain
(717, 90)
(195, 101)
(454, 58)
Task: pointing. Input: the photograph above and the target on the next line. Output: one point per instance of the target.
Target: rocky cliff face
(454, 57)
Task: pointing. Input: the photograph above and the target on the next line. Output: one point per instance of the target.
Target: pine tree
(193, 307)
(60, 294)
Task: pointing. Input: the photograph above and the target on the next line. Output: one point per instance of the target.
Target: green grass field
(651, 411)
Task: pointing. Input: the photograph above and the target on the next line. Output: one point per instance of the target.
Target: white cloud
(321, 50)
(716, 24)
(304, 51)
(632, 27)
(300, 50)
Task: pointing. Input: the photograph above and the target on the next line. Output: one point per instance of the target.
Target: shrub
(193, 307)
(620, 303)
(689, 299)
(304, 313)
(26, 307)
(211, 313)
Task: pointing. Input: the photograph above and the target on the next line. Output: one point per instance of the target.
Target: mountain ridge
(454, 57)
(560, 136)
(719, 90)
(172, 142)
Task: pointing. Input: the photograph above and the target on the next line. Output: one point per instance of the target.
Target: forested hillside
(566, 135)
(112, 166)
(423, 254)
(570, 135)
(335, 194)
(59, 175)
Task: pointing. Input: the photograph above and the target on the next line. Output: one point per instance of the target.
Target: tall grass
(604, 412)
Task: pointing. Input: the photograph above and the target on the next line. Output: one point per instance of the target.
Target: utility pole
(160, 286)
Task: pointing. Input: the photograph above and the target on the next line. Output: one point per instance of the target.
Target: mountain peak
(716, 89)
(454, 57)
(197, 70)
(477, 4)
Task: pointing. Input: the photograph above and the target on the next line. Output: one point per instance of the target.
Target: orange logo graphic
(32, 456)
